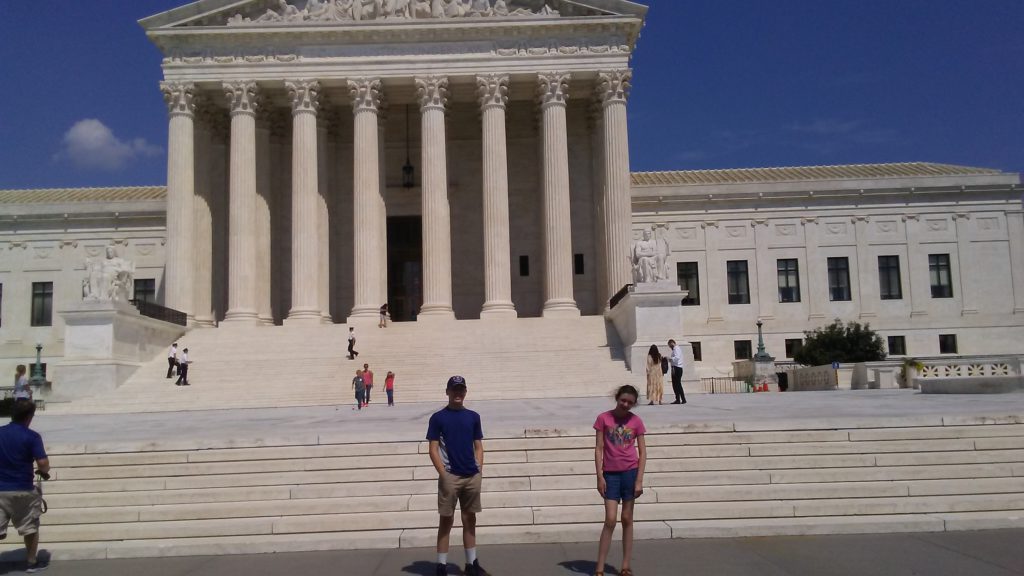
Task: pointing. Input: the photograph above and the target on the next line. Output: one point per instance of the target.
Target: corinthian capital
(243, 97)
(492, 90)
(432, 91)
(366, 94)
(179, 97)
(553, 87)
(614, 86)
(304, 94)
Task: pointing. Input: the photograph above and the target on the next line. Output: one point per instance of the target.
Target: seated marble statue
(109, 279)
(649, 257)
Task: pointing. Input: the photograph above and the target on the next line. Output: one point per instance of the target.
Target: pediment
(277, 13)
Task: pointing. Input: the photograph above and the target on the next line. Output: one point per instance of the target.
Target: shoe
(442, 570)
(37, 566)
(475, 569)
(676, 402)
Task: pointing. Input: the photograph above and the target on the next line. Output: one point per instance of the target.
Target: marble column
(432, 92)
(917, 265)
(323, 216)
(209, 125)
(559, 301)
(716, 275)
(766, 271)
(180, 193)
(965, 263)
(382, 212)
(243, 99)
(817, 274)
(595, 124)
(613, 90)
(1015, 231)
(493, 92)
(366, 100)
(264, 204)
(867, 271)
(305, 99)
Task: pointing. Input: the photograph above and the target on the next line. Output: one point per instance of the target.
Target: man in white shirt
(676, 361)
(183, 369)
(172, 359)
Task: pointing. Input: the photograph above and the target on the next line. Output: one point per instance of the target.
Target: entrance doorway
(405, 267)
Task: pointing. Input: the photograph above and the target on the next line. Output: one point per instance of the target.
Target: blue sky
(718, 84)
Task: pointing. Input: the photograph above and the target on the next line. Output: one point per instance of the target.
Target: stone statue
(649, 258)
(285, 12)
(663, 249)
(109, 279)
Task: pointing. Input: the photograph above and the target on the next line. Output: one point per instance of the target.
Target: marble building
(464, 159)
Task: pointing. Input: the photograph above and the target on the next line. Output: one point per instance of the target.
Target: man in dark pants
(183, 369)
(20, 503)
(676, 361)
(172, 359)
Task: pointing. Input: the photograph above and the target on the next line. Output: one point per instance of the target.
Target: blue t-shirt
(20, 447)
(456, 430)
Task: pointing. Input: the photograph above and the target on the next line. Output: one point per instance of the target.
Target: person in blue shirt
(457, 452)
(20, 448)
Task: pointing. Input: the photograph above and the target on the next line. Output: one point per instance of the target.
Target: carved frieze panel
(988, 224)
(885, 227)
(785, 230)
(936, 224)
(43, 257)
(836, 229)
(736, 232)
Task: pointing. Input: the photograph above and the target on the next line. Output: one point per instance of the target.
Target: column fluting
(264, 204)
(493, 93)
(432, 92)
(553, 91)
(366, 101)
(323, 223)
(210, 122)
(244, 100)
(613, 92)
(304, 96)
(180, 193)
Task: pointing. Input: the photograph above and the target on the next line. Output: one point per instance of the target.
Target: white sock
(470, 555)
(442, 558)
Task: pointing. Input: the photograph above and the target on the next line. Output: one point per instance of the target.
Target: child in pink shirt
(620, 457)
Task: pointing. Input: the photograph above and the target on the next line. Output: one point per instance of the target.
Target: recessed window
(889, 284)
(42, 303)
(941, 277)
(897, 346)
(739, 284)
(839, 279)
(577, 264)
(789, 280)
(793, 345)
(145, 290)
(689, 280)
(742, 349)
(947, 344)
(524, 265)
(697, 357)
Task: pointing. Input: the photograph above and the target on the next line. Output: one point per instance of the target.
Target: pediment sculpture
(110, 278)
(292, 11)
(649, 257)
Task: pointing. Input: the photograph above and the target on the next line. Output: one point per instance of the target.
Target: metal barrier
(619, 296)
(724, 386)
(159, 312)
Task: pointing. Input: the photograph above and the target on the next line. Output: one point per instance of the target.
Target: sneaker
(37, 566)
(442, 570)
(475, 569)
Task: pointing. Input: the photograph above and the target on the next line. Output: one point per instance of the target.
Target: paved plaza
(379, 423)
(988, 553)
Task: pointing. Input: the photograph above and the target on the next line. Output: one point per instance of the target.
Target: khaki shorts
(24, 508)
(464, 489)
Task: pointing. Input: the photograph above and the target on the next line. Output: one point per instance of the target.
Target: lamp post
(37, 378)
(762, 354)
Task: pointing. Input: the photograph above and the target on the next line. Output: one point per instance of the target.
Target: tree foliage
(838, 342)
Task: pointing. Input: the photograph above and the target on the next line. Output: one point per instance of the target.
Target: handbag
(664, 365)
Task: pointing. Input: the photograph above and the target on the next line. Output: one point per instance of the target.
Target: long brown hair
(654, 353)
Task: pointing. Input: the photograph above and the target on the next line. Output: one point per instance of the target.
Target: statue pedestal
(104, 344)
(651, 313)
(764, 373)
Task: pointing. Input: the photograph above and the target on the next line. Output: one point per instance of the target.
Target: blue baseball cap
(455, 381)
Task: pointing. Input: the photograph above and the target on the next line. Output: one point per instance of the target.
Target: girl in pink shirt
(620, 457)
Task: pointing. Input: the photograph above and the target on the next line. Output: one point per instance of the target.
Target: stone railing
(814, 378)
(969, 375)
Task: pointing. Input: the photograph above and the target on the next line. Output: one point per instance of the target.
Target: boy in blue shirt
(20, 448)
(457, 452)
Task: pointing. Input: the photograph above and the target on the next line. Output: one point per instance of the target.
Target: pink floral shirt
(620, 436)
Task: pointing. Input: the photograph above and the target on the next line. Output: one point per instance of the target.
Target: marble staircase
(257, 367)
(159, 499)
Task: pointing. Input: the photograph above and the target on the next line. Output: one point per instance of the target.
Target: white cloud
(90, 144)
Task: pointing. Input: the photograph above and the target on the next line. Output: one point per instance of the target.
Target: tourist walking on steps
(457, 453)
(676, 360)
(183, 363)
(352, 344)
(383, 323)
(620, 458)
(655, 377)
(20, 502)
(359, 385)
(172, 359)
(22, 391)
(368, 379)
(389, 387)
